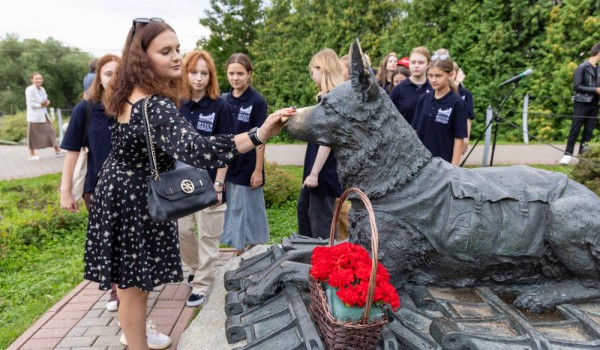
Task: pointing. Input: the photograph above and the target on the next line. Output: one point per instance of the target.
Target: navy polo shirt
(405, 96)
(247, 111)
(98, 139)
(438, 122)
(209, 117)
(468, 98)
(329, 183)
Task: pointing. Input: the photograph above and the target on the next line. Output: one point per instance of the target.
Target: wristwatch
(219, 183)
(253, 137)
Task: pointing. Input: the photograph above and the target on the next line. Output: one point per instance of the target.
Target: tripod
(497, 119)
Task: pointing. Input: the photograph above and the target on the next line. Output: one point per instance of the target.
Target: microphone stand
(495, 118)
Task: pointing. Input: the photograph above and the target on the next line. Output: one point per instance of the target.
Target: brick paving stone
(94, 313)
(168, 304)
(51, 332)
(61, 323)
(70, 315)
(101, 304)
(71, 342)
(182, 293)
(77, 307)
(40, 344)
(168, 292)
(94, 322)
(116, 348)
(77, 331)
(91, 348)
(89, 299)
(109, 341)
(155, 313)
(102, 330)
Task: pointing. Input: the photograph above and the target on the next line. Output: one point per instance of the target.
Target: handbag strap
(149, 140)
(88, 116)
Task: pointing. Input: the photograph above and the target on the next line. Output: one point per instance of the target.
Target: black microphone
(517, 77)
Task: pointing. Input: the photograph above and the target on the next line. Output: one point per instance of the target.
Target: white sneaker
(112, 305)
(34, 158)
(566, 159)
(156, 340)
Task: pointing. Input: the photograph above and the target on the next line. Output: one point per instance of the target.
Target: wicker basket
(337, 334)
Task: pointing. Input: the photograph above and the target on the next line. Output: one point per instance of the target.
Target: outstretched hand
(272, 126)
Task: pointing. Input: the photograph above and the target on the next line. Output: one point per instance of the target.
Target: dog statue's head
(376, 149)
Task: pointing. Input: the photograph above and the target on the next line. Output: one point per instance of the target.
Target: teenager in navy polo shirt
(321, 185)
(246, 216)
(97, 139)
(406, 94)
(441, 117)
(210, 115)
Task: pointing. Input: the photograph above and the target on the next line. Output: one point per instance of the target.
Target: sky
(99, 26)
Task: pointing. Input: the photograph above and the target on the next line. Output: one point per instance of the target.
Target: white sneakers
(112, 305)
(566, 159)
(156, 340)
(34, 158)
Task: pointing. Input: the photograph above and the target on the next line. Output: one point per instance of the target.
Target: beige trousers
(200, 254)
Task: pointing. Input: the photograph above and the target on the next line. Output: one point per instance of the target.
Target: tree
(62, 68)
(571, 31)
(233, 25)
(295, 30)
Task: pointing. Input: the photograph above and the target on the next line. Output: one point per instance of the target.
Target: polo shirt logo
(244, 115)
(205, 122)
(443, 115)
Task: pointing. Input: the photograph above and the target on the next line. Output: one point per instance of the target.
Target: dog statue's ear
(361, 75)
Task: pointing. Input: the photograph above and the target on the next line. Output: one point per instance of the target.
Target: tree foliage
(233, 25)
(62, 68)
(491, 40)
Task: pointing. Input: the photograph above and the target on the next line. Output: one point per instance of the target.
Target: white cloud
(99, 27)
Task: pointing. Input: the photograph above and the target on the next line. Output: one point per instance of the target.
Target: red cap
(404, 61)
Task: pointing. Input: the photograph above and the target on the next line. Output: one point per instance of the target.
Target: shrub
(280, 187)
(14, 127)
(588, 172)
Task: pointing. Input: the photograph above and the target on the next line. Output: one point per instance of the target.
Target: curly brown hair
(136, 70)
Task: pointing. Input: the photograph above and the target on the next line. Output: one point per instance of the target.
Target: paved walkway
(14, 163)
(81, 321)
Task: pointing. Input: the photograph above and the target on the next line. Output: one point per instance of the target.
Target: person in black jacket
(586, 83)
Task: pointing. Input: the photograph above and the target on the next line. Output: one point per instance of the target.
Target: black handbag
(583, 98)
(175, 193)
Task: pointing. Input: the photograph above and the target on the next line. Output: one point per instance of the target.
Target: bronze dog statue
(503, 227)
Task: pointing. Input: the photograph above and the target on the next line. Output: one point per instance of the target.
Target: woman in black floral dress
(123, 245)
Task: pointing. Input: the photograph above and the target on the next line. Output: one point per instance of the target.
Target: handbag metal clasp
(187, 186)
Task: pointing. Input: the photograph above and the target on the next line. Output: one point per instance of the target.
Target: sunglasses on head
(137, 21)
(440, 57)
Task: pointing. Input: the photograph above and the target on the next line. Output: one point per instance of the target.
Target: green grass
(41, 252)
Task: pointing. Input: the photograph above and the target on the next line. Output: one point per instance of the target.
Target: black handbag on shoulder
(175, 193)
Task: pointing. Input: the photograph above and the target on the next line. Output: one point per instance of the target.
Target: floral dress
(124, 245)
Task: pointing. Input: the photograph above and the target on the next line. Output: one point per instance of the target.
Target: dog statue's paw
(532, 301)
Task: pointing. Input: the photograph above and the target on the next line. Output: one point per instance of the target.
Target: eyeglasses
(440, 57)
(137, 21)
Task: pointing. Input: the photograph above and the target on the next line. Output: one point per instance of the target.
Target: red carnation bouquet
(347, 268)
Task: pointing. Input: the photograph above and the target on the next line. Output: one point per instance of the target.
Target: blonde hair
(422, 50)
(331, 69)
